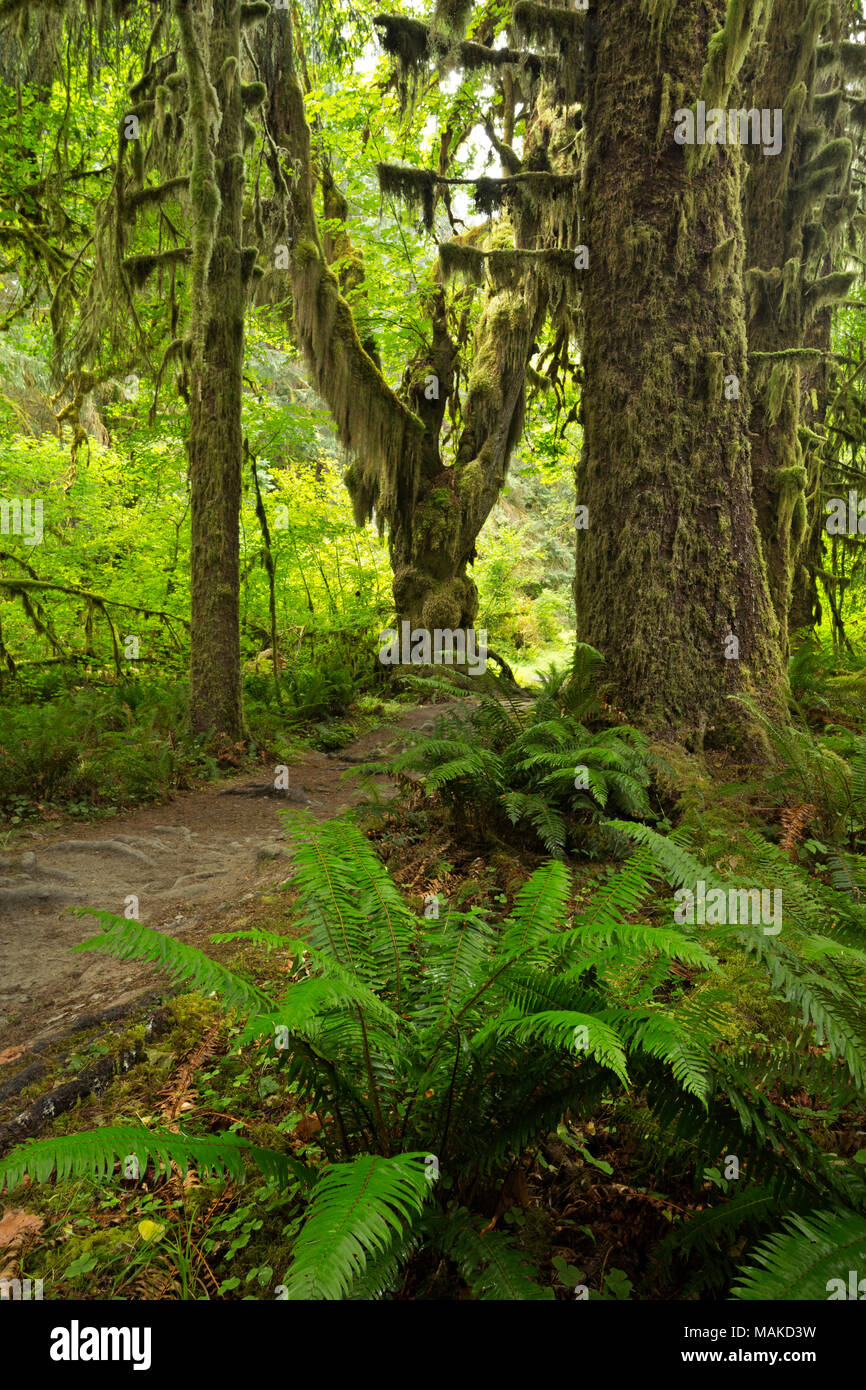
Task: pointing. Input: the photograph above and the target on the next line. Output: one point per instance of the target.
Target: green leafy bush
(504, 767)
(437, 1051)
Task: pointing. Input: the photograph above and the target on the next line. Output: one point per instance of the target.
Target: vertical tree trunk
(670, 583)
(211, 47)
(791, 224)
(778, 474)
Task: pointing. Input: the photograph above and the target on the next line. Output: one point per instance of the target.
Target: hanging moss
(762, 289)
(722, 260)
(253, 94)
(790, 485)
(659, 12)
(415, 187)
(543, 25)
(828, 290)
(789, 298)
(385, 437)
(728, 48)
(405, 39)
(254, 10)
(140, 268)
(452, 15)
(828, 104)
(416, 45)
(456, 258)
(507, 267)
(535, 188)
(835, 155)
(777, 388)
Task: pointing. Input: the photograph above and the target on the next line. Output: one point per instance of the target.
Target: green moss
(722, 260)
(253, 94)
(715, 377)
(469, 482)
(544, 25)
(749, 1007)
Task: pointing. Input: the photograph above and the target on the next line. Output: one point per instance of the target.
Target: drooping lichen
(545, 26)
(415, 187)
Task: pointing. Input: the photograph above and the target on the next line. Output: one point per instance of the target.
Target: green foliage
(489, 1263)
(815, 960)
(537, 767)
(96, 748)
(437, 1050)
(95, 1154)
(130, 940)
(450, 1039)
(806, 1259)
(356, 1210)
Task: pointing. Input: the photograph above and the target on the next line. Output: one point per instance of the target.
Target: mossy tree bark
(191, 128)
(433, 511)
(774, 239)
(670, 569)
(432, 547)
(798, 210)
(210, 39)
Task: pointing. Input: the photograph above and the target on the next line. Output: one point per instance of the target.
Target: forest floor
(191, 862)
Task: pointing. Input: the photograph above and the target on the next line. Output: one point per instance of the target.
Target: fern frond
(94, 1154)
(130, 940)
(584, 1035)
(489, 1263)
(548, 823)
(808, 1259)
(539, 907)
(357, 1210)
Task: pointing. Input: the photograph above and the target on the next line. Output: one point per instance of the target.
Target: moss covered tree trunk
(433, 510)
(796, 211)
(774, 240)
(670, 583)
(432, 545)
(210, 39)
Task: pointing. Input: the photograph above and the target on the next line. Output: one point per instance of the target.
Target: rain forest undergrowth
(499, 1074)
(314, 321)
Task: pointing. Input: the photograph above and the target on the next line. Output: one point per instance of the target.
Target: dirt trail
(185, 861)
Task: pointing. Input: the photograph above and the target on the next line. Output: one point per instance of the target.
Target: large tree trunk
(212, 54)
(433, 512)
(778, 472)
(670, 583)
(794, 214)
(432, 545)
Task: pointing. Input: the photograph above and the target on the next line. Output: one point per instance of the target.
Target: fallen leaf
(16, 1226)
(307, 1127)
(150, 1230)
(10, 1054)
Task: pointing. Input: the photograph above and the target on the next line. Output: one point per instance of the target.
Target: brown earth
(188, 862)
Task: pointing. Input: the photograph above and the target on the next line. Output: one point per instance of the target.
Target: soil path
(186, 862)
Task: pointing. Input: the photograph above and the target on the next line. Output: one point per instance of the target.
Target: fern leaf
(808, 1259)
(130, 940)
(357, 1210)
(94, 1153)
(492, 1267)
